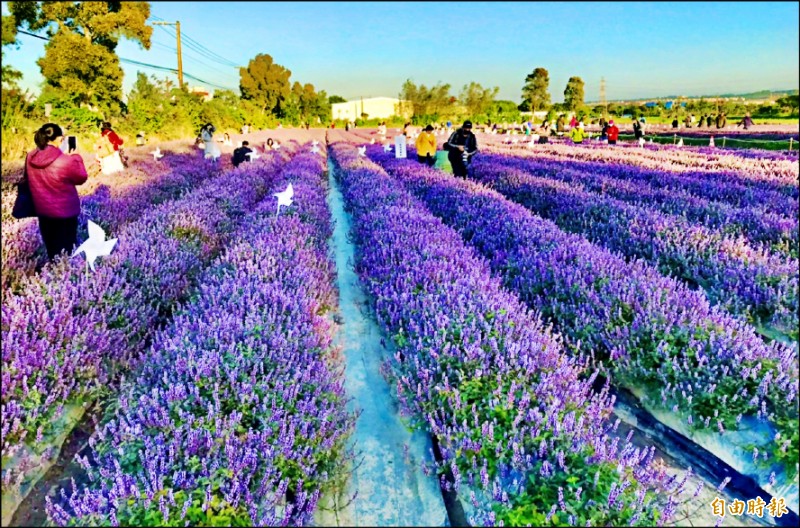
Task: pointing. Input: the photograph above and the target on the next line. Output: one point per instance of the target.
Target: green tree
(573, 93)
(505, 112)
(336, 99)
(266, 84)
(10, 76)
(21, 13)
(423, 103)
(789, 103)
(534, 92)
(147, 105)
(477, 100)
(80, 59)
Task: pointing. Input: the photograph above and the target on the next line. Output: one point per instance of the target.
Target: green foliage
(477, 100)
(336, 99)
(573, 93)
(265, 83)
(10, 76)
(80, 57)
(789, 103)
(534, 92)
(505, 112)
(305, 105)
(425, 104)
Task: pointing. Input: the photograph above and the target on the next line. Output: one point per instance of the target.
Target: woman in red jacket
(52, 176)
(110, 142)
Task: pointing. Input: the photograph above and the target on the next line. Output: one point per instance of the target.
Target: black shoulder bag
(23, 206)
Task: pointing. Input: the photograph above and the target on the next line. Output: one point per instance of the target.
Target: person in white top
(212, 151)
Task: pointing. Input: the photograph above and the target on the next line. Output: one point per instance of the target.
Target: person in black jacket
(637, 129)
(460, 148)
(240, 154)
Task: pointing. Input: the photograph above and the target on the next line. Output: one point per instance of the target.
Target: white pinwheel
(285, 198)
(253, 155)
(157, 155)
(95, 246)
(362, 151)
(387, 148)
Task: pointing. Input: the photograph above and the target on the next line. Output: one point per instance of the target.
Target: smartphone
(69, 144)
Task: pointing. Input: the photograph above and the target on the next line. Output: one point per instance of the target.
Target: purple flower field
(651, 331)
(515, 305)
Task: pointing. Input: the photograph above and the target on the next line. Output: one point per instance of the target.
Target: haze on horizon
(643, 49)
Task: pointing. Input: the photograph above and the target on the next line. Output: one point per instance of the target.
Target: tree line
(83, 86)
(436, 103)
(83, 81)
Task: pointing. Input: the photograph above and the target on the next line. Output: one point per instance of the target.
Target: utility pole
(603, 96)
(177, 25)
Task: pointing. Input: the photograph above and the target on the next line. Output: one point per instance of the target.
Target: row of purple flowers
(651, 331)
(516, 417)
(747, 281)
(237, 416)
(67, 335)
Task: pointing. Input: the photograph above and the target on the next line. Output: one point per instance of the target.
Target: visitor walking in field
(52, 177)
(746, 121)
(709, 120)
(613, 132)
(460, 147)
(721, 120)
(560, 122)
(702, 120)
(426, 146)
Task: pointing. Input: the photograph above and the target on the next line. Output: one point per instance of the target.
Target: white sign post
(400, 146)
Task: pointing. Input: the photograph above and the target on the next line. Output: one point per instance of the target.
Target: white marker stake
(95, 246)
(400, 146)
(285, 198)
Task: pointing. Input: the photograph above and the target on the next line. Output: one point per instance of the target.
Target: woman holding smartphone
(52, 177)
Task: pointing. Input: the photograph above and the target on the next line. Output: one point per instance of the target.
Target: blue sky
(643, 49)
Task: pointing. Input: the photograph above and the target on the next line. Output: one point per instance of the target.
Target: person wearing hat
(613, 132)
(426, 146)
(460, 148)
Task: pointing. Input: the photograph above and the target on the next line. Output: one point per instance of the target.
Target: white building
(373, 107)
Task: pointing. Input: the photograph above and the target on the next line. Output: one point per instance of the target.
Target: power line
(202, 51)
(147, 65)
